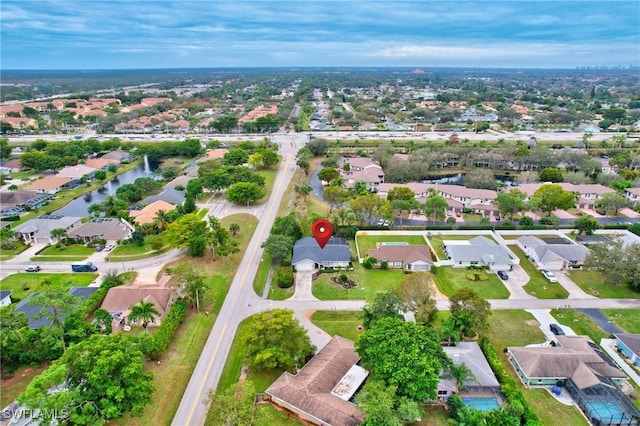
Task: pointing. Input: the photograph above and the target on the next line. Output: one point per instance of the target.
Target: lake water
(79, 206)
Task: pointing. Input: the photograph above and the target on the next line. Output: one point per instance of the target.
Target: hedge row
(154, 346)
(94, 301)
(509, 386)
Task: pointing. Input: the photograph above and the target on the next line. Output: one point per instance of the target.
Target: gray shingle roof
(470, 354)
(631, 340)
(42, 226)
(31, 310)
(169, 195)
(336, 250)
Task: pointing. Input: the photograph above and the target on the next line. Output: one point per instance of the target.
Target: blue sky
(93, 34)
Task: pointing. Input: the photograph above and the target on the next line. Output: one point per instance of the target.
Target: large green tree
(469, 310)
(552, 197)
(245, 192)
(400, 193)
(103, 378)
(328, 174)
(385, 304)
(403, 354)
(181, 231)
(232, 406)
(277, 340)
(586, 224)
(416, 291)
(280, 247)
(55, 306)
(610, 203)
(509, 203)
(435, 206)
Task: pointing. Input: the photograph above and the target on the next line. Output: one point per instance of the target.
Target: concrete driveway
(544, 317)
(518, 278)
(304, 281)
(575, 292)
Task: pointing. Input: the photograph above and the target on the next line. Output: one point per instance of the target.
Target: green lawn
(277, 293)
(367, 242)
(341, 323)
(580, 323)
(75, 249)
(8, 254)
(450, 279)
(519, 328)
(262, 273)
(595, 283)
(14, 386)
(626, 319)
(369, 282)
(538, 285)
(476, 218)
(269, 179)
(24, 283)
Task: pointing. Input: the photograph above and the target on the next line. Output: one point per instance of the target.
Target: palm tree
(58, 233)
(144, 311)
(161, 220)
(460, 373)
(234, 228)
(95, 209)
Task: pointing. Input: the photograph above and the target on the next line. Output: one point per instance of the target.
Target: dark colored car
(100, 247)
(503, 275)
(556, 329)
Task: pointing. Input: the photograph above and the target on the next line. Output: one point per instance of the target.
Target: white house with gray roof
(39, 230)
(553, 257)
(478, 251)
(109, 229)
(308, 256)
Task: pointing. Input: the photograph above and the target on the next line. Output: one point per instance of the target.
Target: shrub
(162, 338)
(369, 262)
(384, 265)
(284, 277)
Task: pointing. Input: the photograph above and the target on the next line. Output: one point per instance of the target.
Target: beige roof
(405, 254)
(76, 171)
(49, 182)
(98, 163)
(310, 389)
(362, 162)
(121, 299)
(148, 213)
(107, 229)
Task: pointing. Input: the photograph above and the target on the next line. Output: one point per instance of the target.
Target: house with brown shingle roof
(319, 393)
(119, 300)
(148, 213)
(49, 184)
(410, 258)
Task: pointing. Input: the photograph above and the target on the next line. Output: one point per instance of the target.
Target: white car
(550, 276)
(109, 247)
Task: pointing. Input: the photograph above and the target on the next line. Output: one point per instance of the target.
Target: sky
(112, 34)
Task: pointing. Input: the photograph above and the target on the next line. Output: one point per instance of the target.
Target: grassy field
(369, 282)
(538, 285)
(72, 253)
(24, 283)
(367, 242)
(341, 323)
(595, 283)
(626, 319)
(9, 254)
(269, 180)
(580, 323)
(450, 279)
(519, 328)
(14, 386)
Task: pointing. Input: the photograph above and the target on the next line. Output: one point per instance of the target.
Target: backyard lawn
(626, 319)
(538, 285)
(368, 283)
(450, 279)
(580, 323)
(25, 283)
(341, 323)
(595, 283)
(367, 242)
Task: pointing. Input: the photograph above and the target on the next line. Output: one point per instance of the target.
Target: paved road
(603, 322)
(241, 301)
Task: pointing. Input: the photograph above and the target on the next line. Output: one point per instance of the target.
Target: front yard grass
(519, 328)
(340, 323)
(626, 319)
(595, 283)
(538, 285)
(262, 274)
(450, 279)
(72, 253)
(24, 283)
(9, 254)
(580, 323)
(368, 283)
(368, 242)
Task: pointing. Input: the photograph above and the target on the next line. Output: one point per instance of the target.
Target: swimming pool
(606, 411)
(482, 404)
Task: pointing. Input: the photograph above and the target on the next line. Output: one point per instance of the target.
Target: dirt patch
(532, 323)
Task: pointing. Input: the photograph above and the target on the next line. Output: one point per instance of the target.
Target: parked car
(32, 268)
(458, 214)
(550, 276)
(503, 275)
(109, 247)
(556, 329)
(100, 247)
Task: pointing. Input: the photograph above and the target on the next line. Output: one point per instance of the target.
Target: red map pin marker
(322, 231)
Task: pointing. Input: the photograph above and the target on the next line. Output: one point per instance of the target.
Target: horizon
(159, 34)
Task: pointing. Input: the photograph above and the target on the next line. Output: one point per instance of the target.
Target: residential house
(101, 163)
(170, 195)
(556, 255)
(629, 345)
(478, 251)
(633, 195)
(5, 298)
(11, 166)
(21, 122)
(119, 300)
(76, 173)
(49, 184)
(121, 156)
(32, 311)
(27, 199)
(39, 230)
(148, 213)
(482, 380)
(362, 170)
(589, 375)
(607, 168)
(109, 229)
(308, 256)
(409, 257)
(320, 392)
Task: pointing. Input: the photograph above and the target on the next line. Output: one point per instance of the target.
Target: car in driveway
(556, 329)
(109, 247)
(100, 247)
(550, 276)
(32, 268)
(503, 275)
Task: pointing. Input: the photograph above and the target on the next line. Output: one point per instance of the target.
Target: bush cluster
(154, 346)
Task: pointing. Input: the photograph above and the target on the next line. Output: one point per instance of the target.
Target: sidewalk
(609, 345)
